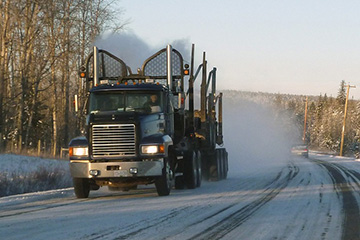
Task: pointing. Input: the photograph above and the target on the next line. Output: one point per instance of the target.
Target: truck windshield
(144, 102)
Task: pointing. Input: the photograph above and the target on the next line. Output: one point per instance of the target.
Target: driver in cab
(152, 105)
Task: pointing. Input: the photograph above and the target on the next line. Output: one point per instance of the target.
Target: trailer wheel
(215, 168)
(198, 168)
(221, 163)
(190, 172)
(226, 164)
(81, 187)
(225, 167)
(163, 183)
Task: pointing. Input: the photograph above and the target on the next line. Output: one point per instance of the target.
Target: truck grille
(113, 140)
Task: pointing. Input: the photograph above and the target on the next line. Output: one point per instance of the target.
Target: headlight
(78, 151)
(152, 149)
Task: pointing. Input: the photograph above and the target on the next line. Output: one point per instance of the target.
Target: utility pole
(345, 111)
(305, 118)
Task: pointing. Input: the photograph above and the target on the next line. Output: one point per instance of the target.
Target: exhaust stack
(96, 66)
(169, 66)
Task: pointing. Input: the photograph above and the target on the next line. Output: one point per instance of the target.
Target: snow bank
(23, 174)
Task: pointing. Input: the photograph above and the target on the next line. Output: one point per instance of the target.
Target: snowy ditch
(24, 174)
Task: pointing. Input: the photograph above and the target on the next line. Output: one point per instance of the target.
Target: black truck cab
(145, 106)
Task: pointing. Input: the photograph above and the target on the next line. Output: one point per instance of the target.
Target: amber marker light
(82, 72)
(186, 70)
(161, 148)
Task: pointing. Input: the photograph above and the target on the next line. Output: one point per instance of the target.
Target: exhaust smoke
(134, 50)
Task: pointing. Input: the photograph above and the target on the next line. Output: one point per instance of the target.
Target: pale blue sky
(279, 46)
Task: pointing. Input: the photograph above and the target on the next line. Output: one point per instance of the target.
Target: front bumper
(82, 168)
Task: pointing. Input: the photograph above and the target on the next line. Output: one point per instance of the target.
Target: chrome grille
(113, 140)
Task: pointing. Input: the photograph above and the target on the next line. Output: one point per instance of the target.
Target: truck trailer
(142, 128)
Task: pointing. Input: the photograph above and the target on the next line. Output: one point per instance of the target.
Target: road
(316, 198)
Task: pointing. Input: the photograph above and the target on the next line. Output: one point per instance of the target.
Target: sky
(281, 46)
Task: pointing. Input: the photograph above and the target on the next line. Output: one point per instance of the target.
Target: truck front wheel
(81, 187)
(163, 183)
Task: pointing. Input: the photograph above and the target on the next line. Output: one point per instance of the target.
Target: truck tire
(81, 187)
(221, 163)
(190, 173)
(163, 183)
(198, 168)
(226, 164)
(215, 168)
(224, 157)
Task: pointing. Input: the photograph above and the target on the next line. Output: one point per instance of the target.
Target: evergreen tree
(341, 97)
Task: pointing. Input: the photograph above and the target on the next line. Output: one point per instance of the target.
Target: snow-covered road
(316, 198)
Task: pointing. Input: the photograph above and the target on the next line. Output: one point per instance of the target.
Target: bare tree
(4, 40)
(42, 45)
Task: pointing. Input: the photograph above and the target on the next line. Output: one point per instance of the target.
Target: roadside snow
(23, 174)
(253, 206)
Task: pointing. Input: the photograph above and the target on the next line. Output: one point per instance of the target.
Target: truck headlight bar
(78, 151)
(152, 149)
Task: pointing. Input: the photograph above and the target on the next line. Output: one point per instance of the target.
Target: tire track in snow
(135, 229)
(235, 219)
(61, 202)
(37, 208)
(351, 222)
